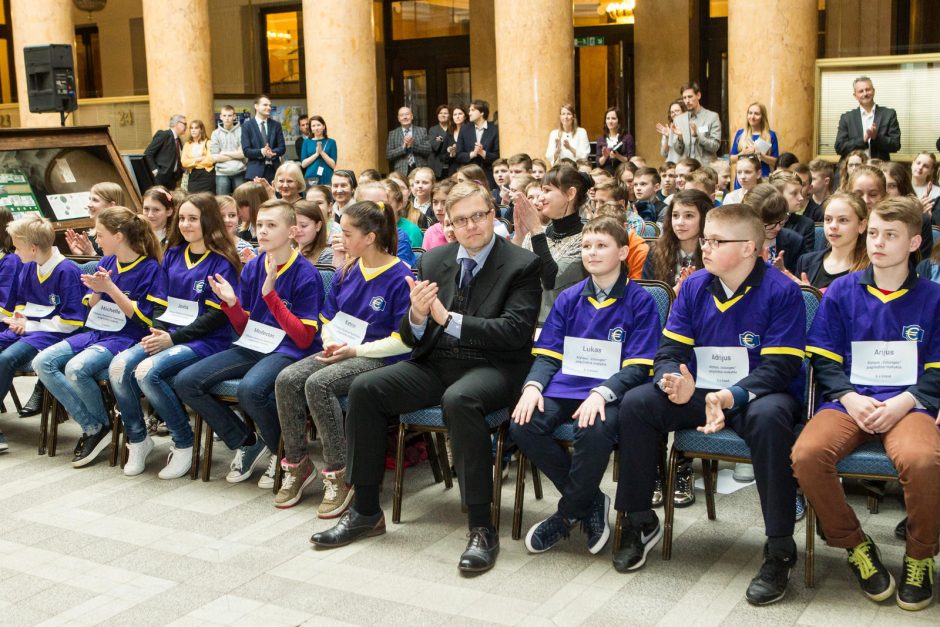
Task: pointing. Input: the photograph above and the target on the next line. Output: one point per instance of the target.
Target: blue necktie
(466, 274)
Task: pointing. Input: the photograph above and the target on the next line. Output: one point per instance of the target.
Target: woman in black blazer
(616, 146)
(439, 136)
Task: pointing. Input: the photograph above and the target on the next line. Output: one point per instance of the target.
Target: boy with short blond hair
(875, 348)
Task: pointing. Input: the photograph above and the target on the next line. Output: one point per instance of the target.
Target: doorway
(425, 73)
(603, 75)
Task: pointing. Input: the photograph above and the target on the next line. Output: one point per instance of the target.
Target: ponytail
(135, 228)
(379, 218)
(564, 177)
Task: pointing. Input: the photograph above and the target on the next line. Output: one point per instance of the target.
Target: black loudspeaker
(50, 78)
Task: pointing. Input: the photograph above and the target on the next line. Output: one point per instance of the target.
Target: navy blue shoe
(548, 533)
(800, 507)
(596, 525)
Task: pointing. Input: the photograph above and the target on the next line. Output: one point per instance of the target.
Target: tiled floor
(91, 546)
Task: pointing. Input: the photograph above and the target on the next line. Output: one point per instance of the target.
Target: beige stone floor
(91, 546)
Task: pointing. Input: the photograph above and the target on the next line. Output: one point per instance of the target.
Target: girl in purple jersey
(123, 295)
(192, 327)
(368, 298)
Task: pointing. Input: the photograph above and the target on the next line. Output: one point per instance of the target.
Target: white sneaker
(178, 463)
(137, 456)
(266, 482)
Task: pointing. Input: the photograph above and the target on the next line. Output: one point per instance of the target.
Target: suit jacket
(504, 303)
(439, 139)
(397, 154)
(851, 135)
(627, 148)
(791, 244)
(490, 140)
(253, 142)
(163, 156)
(707, 140)
(805, 227)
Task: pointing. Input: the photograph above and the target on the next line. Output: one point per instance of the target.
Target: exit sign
(584, 42)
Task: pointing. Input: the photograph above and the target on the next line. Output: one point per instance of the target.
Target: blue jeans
(257, 372)
(72, 379)
(225, 185)
(14, 357)
(579, 475)
(134, 372)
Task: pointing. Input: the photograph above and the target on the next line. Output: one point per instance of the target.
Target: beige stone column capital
(179, 61)
(771, 58)
(534, 71)
(341, 83)
(37, 23)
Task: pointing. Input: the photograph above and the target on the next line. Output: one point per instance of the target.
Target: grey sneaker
(266, 482)
(743, 473)
(337, 495)
(245, 460)
(296, 477)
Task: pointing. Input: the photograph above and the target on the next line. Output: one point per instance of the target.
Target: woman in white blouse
(568, 140)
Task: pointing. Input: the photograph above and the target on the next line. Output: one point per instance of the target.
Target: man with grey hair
(408, 146)
(871, 128)
(163, 154)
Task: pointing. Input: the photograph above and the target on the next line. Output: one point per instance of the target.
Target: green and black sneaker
(875, 580)
(916, 589)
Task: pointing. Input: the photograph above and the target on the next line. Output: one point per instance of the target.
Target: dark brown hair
(214, 235)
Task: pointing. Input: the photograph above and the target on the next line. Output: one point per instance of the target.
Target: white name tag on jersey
(32, 310)
(261, 337)
(884, 363)
(718, 367)
(348, 329)
(106, 316)
(597, 359)
(180, 312)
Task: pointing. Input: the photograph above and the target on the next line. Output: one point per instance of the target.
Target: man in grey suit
(871, 128)
(408, 146)
(704, 125)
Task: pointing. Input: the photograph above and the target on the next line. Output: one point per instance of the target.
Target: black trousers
(767, 424)
(467, 390)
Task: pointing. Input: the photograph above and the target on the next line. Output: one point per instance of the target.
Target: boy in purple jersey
(10, 266)
(192, 327)
(275, 313)
(598, 341)
(875, 346)
(123, 296)
(48, 300)
(734, 341)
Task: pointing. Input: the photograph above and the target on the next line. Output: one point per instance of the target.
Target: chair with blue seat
(418, 251)
(651, 230)
(726, 445)
(936, 233)
(55, 413)
(819, 237)
(431, 420)
(565, 433)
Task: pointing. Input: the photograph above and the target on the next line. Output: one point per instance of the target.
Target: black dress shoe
(90, 446)
(481, 552)
(900, 532)
(34, 405)
(351, 526)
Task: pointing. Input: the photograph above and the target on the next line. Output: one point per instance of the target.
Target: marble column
(777, 70)
(35, 23)
(341, 85)
(661, 66)
(179, 61)
(534, 71)
(483, 52)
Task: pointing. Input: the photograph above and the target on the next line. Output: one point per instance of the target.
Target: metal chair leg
(399, 474)
(433, 458)
(207, 452)
(709, 480)
(498, 474)
(16, 399)
(197, 446)
(278, 471)
(57, 412)
(810, 561)
(520, 496)
(669, 504)
(536, 481)
(618, 531)
(44, 422)
(445, 464)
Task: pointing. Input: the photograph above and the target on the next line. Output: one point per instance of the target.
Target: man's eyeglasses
(774, 225)
(716, 243)
(476, 218)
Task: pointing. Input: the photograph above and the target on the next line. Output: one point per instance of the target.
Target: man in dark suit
(407, 147)
(471, 321)
(478, 141)
(262, 142)
(163, 153)
(870, 128)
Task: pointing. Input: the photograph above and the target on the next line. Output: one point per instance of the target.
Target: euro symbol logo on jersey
(199, 286)
(615, 335)
(912, 333)
(377, 303)
(749, 339)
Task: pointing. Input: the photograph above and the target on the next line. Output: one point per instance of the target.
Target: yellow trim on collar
(606, 303)
(39, 275)
(548, 353)
(122, 269)
(190, 266)
(885, 298)
(370, 273)
(293, 257)
(725, 306)
(783, 350)
(822, 352)
(672, 335)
